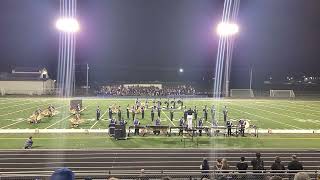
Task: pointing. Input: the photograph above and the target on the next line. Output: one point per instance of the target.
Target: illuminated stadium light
(181, 70)
(227, 29)
(70, 25)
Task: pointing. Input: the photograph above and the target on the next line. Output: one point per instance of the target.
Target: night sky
(152, 39)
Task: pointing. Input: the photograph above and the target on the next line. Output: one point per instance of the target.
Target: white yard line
(94, 124)
(17, 105)
(11, 101)
(168, 118)
(297, 112)
(24, 119)
(278, 114)
(263, 117)
(23, 109)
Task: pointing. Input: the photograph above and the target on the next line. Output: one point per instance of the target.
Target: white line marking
(263, 117)
(168, 118)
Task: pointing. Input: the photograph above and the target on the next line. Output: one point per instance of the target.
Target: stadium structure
(153, 129)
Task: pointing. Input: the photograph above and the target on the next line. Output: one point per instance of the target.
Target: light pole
(87, 87)
(68, 26)
(226, 32)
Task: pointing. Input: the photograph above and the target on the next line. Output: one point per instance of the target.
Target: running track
(123, 160)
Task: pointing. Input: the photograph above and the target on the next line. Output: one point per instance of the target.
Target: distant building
(26, 81)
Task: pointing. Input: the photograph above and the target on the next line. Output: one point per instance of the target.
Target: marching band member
(152, 114)
(181, 124)
(213, 112)
(225, 113)
(122, 122)
(157, 123)
(133, 112)
(136, 123)
(142, 112)
(98, 113)
(200, 124)
(205, 113)
(78, 108)
(174, 103)
(242, 124)
(128, 111)
(229, 126)
(195, 111)
(171, 114)
(159, 112)
(110, 113)
(119, 113)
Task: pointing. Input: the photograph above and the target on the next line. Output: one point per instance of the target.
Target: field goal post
(241, 93)
(2, 91)
(282, 93)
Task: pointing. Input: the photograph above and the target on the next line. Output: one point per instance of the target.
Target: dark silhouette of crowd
(294, 168)
(121, 90)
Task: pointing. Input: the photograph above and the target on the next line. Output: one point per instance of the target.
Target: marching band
(190, 121)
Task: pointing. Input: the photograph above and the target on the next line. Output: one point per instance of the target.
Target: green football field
(265, 114)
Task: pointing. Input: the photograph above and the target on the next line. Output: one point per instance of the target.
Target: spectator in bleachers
(62, 174)
(257, 163)
(295, 165)
(225, 165)
(120, 90)
(205, 166)
(242, 165)
(218, 165)
(301, 176)
(277, 165)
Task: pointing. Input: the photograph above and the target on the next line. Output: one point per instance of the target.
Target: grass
(274, 114)
(99, 141)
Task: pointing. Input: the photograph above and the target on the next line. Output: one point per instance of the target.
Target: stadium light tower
(226, 30)
(68, 26)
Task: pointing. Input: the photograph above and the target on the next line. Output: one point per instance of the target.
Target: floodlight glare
(227, 29)
(70, 25)
(181, 70)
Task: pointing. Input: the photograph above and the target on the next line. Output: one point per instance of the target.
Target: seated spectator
(257, 163)
(225, 165)
(218, 165)
(205, 168)
(295, 165)
(277, 165)
(28, 144)
(62, 174)
(301, 176)
(242, 165)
